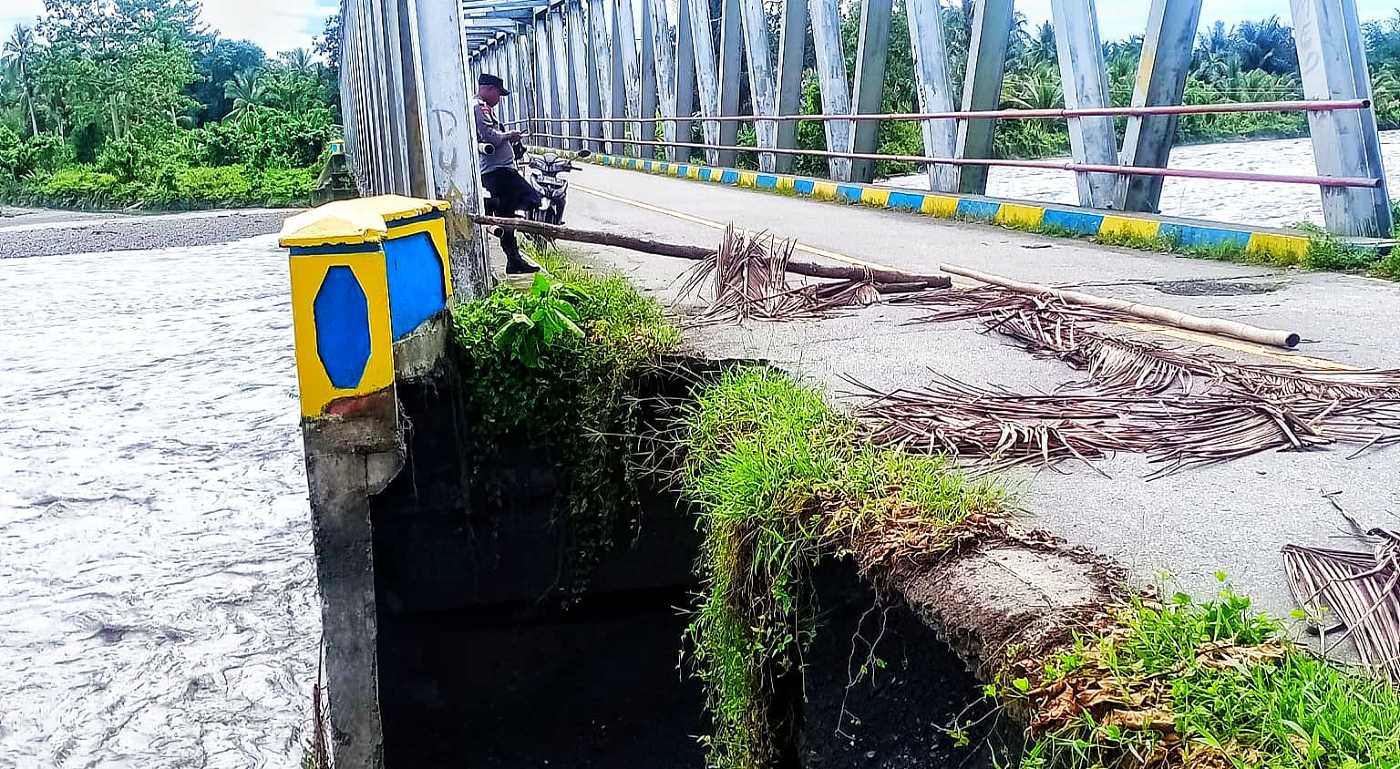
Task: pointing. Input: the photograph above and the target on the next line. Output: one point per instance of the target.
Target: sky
(276, 25)
(279, 25)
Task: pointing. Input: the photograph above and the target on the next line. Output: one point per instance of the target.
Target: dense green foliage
(781, 480)
(553, 368)
(1206, 684)
(134, 103)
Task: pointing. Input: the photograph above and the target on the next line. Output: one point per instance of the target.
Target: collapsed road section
(554, 528)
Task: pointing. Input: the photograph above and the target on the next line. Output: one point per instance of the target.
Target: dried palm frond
(748, 280)
(997, 428)
(1359, 590)
(1182, 408)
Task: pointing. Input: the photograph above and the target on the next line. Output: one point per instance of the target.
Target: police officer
(510, 193)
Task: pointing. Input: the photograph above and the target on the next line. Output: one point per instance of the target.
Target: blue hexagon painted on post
(342, 327)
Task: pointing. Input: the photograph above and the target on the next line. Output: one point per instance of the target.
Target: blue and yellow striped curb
(1079, 221)
(364, 274)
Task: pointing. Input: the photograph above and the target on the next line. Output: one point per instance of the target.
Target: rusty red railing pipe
(1052, 165)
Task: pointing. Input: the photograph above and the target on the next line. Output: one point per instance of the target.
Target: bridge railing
(543, 128)
(593, 75)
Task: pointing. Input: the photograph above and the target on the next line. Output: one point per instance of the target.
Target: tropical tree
(1266, 45)
(299, 61)
(246, 92)
(20, 52)
(216, 67)
(327, 44)
(1042, 43)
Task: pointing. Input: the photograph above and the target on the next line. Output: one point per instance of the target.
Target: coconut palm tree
(247, 92)
(299, 60)
(19, 53)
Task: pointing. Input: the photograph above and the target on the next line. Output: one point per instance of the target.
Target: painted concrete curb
(1080, 221)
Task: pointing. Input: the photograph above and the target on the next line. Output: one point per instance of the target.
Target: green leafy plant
(1205, 683)
(78, 183)
(122, 158)
(223, 184)
(286, 186)
(13, 153)
(546, 317)
(555, 366)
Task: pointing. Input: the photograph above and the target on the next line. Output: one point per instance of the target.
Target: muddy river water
(1275, 205)
(157, 592)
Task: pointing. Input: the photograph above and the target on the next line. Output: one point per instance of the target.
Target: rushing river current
(157, 590)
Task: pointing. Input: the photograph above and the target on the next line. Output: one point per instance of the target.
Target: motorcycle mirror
(582, 154)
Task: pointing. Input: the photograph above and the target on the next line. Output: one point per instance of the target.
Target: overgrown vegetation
(135, 103)
(780, 481)
(1202, 684)
(554, 367)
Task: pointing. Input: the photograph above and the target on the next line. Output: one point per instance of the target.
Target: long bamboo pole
(902, 280)
(1230, 328)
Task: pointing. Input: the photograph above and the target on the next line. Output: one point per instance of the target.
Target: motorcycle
(546, 177)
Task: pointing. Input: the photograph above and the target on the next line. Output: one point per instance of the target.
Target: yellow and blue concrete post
(364, 274)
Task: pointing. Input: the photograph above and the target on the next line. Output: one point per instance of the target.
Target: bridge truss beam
(656, 63)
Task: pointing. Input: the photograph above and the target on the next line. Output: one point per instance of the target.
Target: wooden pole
(1230, 328)
(700, 253)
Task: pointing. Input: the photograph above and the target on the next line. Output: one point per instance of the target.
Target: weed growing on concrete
(1203, 684)
(780, 481)
(1328, 252)
(554, 366)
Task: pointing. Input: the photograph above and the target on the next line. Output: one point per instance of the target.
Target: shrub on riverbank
(169, 188)
(556, 366)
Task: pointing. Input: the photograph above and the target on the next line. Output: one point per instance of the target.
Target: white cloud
(19, 12)
(276, 25)
(1120, 18)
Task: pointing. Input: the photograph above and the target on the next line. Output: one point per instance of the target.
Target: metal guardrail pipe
(1022, 114)
(1051, 165)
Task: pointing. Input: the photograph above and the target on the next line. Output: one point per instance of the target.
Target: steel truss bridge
(635, 77)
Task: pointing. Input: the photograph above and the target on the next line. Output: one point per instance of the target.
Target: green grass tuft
(1208, 684)
(780, 481)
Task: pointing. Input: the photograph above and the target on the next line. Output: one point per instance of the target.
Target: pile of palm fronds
(1182, 409)
(748, 279)
(1353, 590)
(998, 428)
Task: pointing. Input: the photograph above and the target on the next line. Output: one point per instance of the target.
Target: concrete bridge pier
(346, 463)
(1332, 58)
(370, 281)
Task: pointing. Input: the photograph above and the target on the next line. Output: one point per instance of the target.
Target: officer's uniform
(510, 193)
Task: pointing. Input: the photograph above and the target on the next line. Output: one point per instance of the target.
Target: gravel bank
(46, 233)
